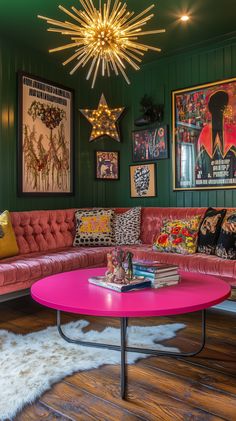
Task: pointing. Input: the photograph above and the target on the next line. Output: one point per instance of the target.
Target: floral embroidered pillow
(94, 227)
(178, 236)
(226, 245)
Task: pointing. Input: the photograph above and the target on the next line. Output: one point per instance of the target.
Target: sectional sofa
(45, 240)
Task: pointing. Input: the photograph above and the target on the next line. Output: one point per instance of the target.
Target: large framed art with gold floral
(45, 131)
(204, 136)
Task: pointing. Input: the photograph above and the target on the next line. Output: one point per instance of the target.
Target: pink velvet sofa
(45, 240)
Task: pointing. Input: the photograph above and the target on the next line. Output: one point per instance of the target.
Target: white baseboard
(227, 306)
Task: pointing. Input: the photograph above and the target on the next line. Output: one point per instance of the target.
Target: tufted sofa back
(43, 230)
(51, 229)
(152, 220)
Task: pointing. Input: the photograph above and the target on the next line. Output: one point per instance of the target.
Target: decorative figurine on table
(129, 258)
(115, 267)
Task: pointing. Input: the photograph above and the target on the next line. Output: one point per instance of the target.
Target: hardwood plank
(159, 389)
(143, 397)
(80, 404)
(201, 375)
(41, 412)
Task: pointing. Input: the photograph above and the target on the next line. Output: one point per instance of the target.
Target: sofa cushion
(8, 244)
(26, 269)
(127, 227)
(178, 236)
(226, 245)
(94, 227)
(210, 230)
(43, 230)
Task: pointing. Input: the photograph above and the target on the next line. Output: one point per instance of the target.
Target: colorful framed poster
(45, 147)
(106, 165)
(143, 180)
(204, 136)
(150, 144)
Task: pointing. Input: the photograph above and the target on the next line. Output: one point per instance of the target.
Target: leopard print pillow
(94, 227)
(127, 227)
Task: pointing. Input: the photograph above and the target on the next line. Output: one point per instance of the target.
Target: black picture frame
(105, 169)
(150, 144)
(45, 137)
(142, 180)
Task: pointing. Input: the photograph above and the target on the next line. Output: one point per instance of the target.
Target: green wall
(12, 59)
(158, 79)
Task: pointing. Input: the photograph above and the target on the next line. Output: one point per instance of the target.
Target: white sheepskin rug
(31, 363)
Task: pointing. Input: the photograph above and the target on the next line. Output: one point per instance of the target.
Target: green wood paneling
(158, 79)
(12, 59)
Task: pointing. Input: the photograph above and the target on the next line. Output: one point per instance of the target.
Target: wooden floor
(194, 389)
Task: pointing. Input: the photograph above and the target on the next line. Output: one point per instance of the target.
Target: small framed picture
(150, 144)
(106, 165)
(143, 180)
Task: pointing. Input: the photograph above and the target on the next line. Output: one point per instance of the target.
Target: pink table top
(71, 292)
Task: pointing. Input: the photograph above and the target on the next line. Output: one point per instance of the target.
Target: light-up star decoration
(104, 120)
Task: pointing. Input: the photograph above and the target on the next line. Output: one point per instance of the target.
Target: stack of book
(161, 274)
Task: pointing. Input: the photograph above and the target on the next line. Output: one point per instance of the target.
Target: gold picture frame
(142, 180)
(204, 136)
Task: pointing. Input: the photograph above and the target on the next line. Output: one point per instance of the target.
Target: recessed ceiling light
(184, 18)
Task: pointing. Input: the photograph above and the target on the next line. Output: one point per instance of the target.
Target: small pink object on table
(71, 292)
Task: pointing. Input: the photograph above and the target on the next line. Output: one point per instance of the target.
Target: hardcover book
(135, 284)
(153, 267)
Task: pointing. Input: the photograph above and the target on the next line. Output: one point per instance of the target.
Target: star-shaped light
(104, 120)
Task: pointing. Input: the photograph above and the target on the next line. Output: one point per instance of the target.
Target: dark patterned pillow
(226, 245)
(94, 227)
(210, 230)
(127, 227)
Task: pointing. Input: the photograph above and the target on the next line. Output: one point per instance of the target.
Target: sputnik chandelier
(106, 38)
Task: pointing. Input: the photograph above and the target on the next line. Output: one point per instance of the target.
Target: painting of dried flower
(45, 137)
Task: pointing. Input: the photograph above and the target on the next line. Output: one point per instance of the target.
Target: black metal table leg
(124, 349)
(123, 327)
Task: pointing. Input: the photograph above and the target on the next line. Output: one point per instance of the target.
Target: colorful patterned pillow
(226, 245)
(8, 244)
(178, 236)
(127, 227)
(210, 230)
(94, 227)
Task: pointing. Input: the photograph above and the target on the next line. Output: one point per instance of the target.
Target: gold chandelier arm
(63, 47)
(69, 13)
(72, 57)
(137, 17)
(123, 73)
(155, 31)
(96, 72)
(91, 68)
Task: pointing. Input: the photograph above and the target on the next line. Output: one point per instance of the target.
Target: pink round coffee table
(71, 292)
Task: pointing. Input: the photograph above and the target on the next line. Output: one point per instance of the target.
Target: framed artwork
(204, 136)
(150, 144)
(45, 144)
(143, 180)
(107, 165)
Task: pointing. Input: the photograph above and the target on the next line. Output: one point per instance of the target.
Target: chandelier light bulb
(184, 18)
(106, 39)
